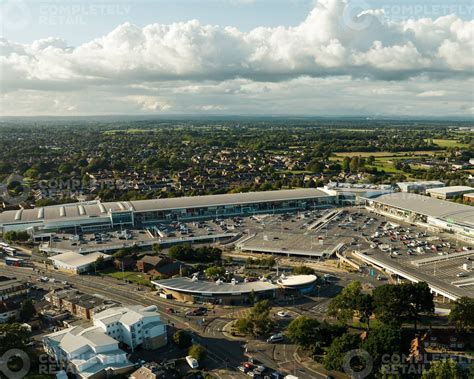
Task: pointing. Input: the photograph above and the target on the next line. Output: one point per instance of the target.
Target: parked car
(275, 338)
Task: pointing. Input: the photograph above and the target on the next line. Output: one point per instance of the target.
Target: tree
(462, 314)
(384, 339)
(302, 270)
(389, 306)
(354, 164)
(258, 321)
(334, 357)
(304, 331)
(345, 304)
(365, 308)
(214, 272)
(12, 336)
(99, 263)
(445, 369)
(182, 339)
(27, 310)
(394, 304)
(419, 298)
(197, 352)
(328, 332)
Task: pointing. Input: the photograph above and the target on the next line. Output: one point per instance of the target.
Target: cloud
(432, 94)
(137, 63)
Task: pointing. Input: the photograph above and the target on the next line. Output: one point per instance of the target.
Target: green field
(405, 154)
(445, 143)
(130, 276)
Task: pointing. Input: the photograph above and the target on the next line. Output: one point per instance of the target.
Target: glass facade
(122, 218)
(189, 214)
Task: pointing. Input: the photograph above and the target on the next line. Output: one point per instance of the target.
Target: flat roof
(212, 288)
(97, 209)
(227, 199)
(77, 260)
(297, 280)
(420, 183)
(428, 206)
(445, 190)
(10, 284)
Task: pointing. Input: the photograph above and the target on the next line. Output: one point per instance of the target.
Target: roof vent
(18, 214)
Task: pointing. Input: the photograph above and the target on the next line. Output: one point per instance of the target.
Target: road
(226, 354)
(220, 350)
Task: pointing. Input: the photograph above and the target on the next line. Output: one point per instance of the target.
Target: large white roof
(452, 189)
(77, 260)
(428, 206)
(97, 209)
(126, 315)
(213, 288)
(297, 280)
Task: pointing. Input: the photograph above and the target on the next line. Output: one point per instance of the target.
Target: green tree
(258, 322)
(445, 369)
(334, 357)
(462, 314)
(182, 339)
(345, 304)
(389, 306)
(214, 272)
(27, 310)
(197, 352)
(419, 298)
(365, 308)
(355, 163)
(99, 263)
(385, 339)
(12, 336)
(304, 331)
(302, 270)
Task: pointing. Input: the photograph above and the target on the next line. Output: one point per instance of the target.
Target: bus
(14, 261)
(10, 251)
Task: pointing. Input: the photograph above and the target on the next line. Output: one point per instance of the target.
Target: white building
(94, 352)
(88, 353)
(449, 192)
(419, 187)
(351, 194)
(76, 263)
(133, 326)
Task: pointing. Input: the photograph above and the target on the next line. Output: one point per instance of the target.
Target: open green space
(445, 143)
(129, 276)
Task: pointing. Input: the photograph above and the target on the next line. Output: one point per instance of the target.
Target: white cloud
(432, 94)
(189, 59)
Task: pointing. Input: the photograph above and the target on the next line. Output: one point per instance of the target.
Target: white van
(275, 338)
(193, 363)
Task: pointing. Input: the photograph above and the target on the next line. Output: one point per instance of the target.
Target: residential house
(154, 265)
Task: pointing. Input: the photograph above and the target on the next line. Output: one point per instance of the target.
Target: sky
(393, 58)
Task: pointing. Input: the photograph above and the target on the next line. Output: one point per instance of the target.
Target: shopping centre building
(96, 216)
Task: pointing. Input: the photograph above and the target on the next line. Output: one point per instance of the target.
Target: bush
(182, 339)
(186, 253)
(197, 352)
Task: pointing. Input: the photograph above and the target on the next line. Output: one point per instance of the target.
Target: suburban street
(220, 348)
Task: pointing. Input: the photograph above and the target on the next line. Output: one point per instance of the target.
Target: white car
(282, 314)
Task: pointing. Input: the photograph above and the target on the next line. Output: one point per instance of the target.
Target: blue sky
(248, 57)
